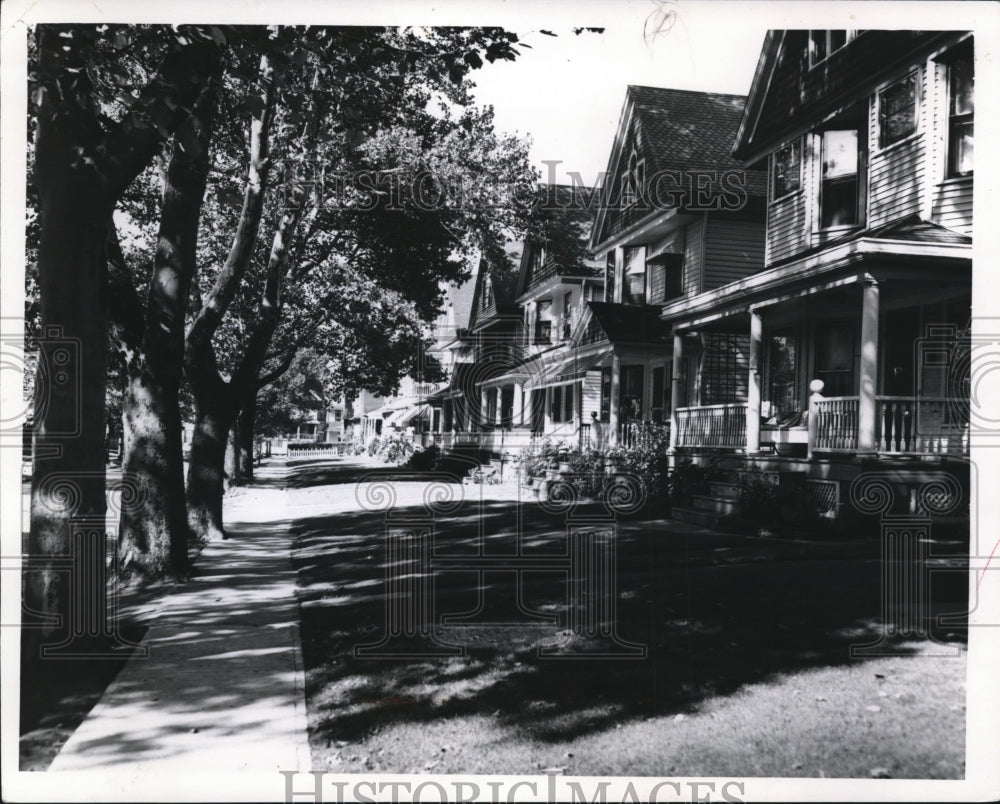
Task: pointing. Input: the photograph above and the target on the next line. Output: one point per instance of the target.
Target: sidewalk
(222, 687)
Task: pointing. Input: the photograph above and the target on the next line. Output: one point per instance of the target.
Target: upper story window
(823, 43)
(567, 309)
(840, 196)
(961, 106)
(897, 111)
(786, 170)
(633, 179)
(634, 276)
(666, 273)
(487, 293)
(543, 322)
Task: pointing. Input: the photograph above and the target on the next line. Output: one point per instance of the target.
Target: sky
(567, 91)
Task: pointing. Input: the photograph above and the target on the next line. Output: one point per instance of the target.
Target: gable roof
(788, 96)
(563, 217)
(460, 298)
(674, 130)
(500, 269)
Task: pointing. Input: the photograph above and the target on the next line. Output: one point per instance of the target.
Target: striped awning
(568, 369)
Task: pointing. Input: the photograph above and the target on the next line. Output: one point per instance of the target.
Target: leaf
(473, 60)
(218, 36)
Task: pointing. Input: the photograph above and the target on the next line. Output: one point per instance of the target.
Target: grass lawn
(747, 670)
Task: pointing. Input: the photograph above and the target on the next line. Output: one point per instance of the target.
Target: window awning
(568, 369)
(403, 417)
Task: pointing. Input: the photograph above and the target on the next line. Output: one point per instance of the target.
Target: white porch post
(497, 411)
(868, 380)
(675, 387)
(482, 408)
(616, 372)
(517, 411)
(753, 385)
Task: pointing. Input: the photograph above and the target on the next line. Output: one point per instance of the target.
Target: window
(960, 114)
(782, 387)
(659, 394)
(543, 322)
(839, 193)
(568, 401)
(556, 404)
(835, 357)
(634, 276)
(897, 111)
(824, 43)
(786, 170)
(631, 393)
(566, 310)
(487, 293)
(633, 180)
(605, 394)
(666, 274)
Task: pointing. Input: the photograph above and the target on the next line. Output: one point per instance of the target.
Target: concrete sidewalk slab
(222, 689)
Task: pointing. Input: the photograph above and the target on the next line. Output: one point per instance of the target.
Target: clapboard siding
(591, 395)
(786, 227)
(895, 180)
(734, 248)
(693, 257)
(952, 205)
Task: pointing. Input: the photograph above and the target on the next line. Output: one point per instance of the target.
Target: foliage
(590, 477)
(686, 479)
(373, 446)
(758, 497)
(394, 446)
(646, 458)
(423, 460)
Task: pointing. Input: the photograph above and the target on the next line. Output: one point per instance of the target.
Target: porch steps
(712, 509)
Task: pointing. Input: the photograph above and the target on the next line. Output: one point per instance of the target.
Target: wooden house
(678, 217)
(852, 330)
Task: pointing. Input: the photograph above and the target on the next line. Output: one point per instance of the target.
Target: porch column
(675, 387)
(868, 380)
(616, 371)
(517, 410)
(753, 385)
(498, 409)
(483, 395)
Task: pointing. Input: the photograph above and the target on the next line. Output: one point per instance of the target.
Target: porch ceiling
(829, 271)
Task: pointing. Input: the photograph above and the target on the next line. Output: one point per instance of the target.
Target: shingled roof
(675, 131)
(684, 130)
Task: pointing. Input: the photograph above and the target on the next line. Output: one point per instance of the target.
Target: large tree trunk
(67, 489)
(81, 170)
(153, 536)
(245, 437)
(206, 482)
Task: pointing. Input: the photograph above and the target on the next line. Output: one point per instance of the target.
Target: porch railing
(632, 434)
(836, 424)
(921, 425)
(713, 426)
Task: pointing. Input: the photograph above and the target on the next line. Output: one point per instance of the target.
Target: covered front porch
(864, 364)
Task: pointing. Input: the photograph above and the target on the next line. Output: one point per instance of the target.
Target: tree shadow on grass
(716, 612)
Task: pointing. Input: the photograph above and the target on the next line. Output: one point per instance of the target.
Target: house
(848, 336)
(678, 217)
(548, 385)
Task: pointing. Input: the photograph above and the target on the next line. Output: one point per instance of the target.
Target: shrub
(424, 459)
(373, 446)
(394, 447)
(758, 497)
(589, 475)
(687, 478)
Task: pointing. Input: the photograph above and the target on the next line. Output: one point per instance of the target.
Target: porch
(868, 364)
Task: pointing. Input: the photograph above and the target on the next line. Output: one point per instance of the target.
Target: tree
(363, 83)
(85, 156)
